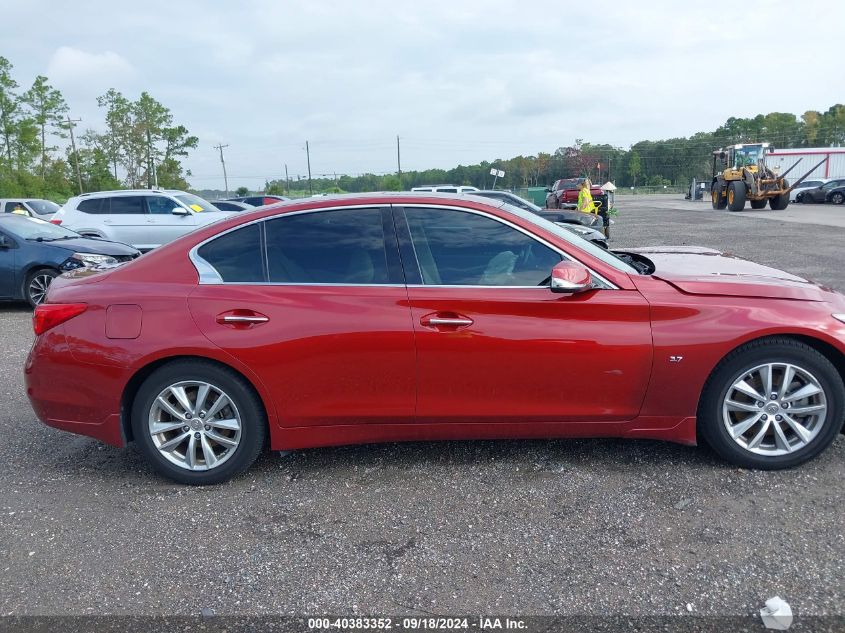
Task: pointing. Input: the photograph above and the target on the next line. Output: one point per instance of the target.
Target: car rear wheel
(36, 284)
(772, 404)
(806, 198)
(837, 198)
(198, 423)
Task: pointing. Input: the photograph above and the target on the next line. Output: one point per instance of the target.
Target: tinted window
(236, 256)
(95, 206)
(160, 205)
(127, 205)
(256, 202)
(343, 246)
(226, 206)
(456, 248)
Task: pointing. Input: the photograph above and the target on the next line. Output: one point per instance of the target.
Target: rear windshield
(43, 206)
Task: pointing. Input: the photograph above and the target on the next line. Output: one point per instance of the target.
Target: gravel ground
(532, 528)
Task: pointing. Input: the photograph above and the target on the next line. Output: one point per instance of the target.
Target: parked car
(33, 207)
(145, 218)
(807, 184)
(393, 317)
(564, 193)
(445, 189)
(232, 205)
(587, 225)
(818, 195)
(33, 252)
(260, 201)
(836, 195)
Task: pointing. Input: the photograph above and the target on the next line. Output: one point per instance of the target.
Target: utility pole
(70, 125)
(225, 178)
(399, 162)
(287, 179)
(308, 156)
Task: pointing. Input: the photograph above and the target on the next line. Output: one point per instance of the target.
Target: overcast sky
(459, 81)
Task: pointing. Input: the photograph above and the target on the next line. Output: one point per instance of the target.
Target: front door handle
(445, 320)
(241, 319)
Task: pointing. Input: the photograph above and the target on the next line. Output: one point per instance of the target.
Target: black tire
(253, 420)
(837, 197)
(35, 281)
(736, 195)
(717, 196)
(806, 198)
(759, 204)
(779, 203)
(712, 429)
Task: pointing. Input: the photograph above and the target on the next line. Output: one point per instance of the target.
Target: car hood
(704, 271)
(90, 245)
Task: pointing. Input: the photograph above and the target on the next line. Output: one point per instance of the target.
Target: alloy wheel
(195, 425)
(38, 287)
(774, 409)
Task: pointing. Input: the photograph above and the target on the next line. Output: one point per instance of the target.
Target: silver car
(32, 207)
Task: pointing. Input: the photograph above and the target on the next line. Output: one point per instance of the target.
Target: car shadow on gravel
(80, 458)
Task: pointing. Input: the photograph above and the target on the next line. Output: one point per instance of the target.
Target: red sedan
(379, 318)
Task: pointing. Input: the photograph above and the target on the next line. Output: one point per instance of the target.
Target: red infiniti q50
(379, 318)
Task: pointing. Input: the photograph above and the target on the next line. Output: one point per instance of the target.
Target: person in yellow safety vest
(20, 210)
(585, 199)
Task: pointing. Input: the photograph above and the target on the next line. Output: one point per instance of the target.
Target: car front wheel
(198, 423)
(36, 284)
(772, 404)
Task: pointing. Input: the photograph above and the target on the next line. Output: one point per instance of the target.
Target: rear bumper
(73, 396)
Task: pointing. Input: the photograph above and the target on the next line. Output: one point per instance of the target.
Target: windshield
(32, 229)
(576, 240)
(195, 203)
(43, 206)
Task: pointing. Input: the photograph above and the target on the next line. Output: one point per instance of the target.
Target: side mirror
(4, 242)
(570, 277)
(180, 211)
(548, 189)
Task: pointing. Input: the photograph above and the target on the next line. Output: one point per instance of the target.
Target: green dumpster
(537, 195)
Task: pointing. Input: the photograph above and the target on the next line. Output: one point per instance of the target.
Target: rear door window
(128, 205)
(345, 246)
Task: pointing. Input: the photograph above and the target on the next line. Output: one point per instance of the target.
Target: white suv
(144, 218)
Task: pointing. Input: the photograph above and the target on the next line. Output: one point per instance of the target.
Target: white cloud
(69, 65)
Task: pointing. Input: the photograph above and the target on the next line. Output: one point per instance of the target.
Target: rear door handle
(439, 321)
(242, 318)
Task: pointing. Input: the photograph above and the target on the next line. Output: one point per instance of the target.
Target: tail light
(49, 315)
(54, 221)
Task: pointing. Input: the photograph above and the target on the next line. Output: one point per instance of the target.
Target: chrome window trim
(608, 285)
(208, 275)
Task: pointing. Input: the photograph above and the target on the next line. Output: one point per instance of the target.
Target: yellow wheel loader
(740, 174)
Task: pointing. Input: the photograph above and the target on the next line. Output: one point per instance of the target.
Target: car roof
(128, 192)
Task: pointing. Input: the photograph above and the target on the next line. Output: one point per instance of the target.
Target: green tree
(241, 192)
(48, 108)
(634, 167)
(9, 109)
